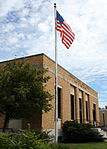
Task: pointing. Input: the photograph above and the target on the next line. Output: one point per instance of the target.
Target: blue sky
(27, 28)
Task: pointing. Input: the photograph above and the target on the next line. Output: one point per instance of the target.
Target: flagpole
(56, 80)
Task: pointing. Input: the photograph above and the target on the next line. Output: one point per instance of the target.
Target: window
(80, 109)
(94, 112)
(59, 102)
(72, 107)
(80, 105)
(103, 119)
(86, 110)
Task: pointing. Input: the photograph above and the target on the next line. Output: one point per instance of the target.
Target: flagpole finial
(55, 5)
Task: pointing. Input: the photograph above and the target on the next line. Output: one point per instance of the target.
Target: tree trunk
(6, 122)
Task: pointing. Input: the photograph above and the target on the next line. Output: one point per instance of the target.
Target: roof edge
(22, 57)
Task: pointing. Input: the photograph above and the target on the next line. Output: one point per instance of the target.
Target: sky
(27, 28)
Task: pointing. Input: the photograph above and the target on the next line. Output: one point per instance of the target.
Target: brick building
(103, 116)
(76, 100)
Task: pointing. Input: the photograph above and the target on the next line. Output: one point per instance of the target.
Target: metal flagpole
(56, 80)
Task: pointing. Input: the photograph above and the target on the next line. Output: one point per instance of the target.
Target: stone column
(97, 115)
(90, 111)
(77, 105)
(84, 107)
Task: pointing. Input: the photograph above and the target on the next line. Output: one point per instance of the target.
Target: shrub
(24, 140)
(74, 132)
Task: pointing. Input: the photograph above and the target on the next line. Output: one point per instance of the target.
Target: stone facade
(103, 117)
(77, 101)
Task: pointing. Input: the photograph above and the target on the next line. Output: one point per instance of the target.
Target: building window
(80, 109)
(86, 110)
(103, 119)
(94, 112)
(72, 107)
(59, 102)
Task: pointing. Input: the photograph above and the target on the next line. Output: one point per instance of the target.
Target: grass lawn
(102, 145)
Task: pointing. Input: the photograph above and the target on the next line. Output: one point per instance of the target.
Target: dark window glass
(86, 110)
(80, 109)
(59, 102)
(103, 119)
(72, 107)
(94, 112)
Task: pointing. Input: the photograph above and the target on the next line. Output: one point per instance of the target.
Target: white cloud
(44, 27)
(8, 27)
(6, 6)
(12, 40)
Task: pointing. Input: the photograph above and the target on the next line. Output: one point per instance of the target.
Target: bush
(74, 132)
(24, 140)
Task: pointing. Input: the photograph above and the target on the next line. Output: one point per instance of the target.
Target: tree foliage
(22, 90)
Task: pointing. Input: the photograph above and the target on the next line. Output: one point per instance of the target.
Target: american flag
(66, 33)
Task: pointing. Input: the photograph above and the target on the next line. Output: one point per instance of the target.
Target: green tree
(22, 91)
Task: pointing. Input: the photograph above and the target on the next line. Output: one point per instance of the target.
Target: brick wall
(65, 80)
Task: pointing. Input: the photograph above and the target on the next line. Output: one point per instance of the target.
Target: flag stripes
(66, 33)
